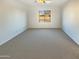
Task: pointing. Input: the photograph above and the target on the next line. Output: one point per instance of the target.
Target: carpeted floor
(40, 44)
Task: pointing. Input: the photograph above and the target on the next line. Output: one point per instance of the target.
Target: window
(45, 16)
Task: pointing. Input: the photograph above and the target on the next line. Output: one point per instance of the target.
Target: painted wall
(71, 20)
(13, 21)
(34, 19)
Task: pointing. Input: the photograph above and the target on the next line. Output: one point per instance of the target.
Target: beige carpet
(40, 44)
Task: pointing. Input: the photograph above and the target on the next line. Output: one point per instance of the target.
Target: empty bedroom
(39, 29)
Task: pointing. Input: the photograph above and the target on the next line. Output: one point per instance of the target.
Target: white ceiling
(53, 2)
(32, 2)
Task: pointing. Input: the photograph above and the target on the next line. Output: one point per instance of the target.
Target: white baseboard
(73, 37)
(12, 36)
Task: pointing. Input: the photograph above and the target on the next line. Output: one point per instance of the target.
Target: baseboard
(11, 37)
(44, 28)
(72, 37)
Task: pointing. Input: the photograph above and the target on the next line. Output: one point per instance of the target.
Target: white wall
(13, 21)
(34, 19)
(71, 20)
